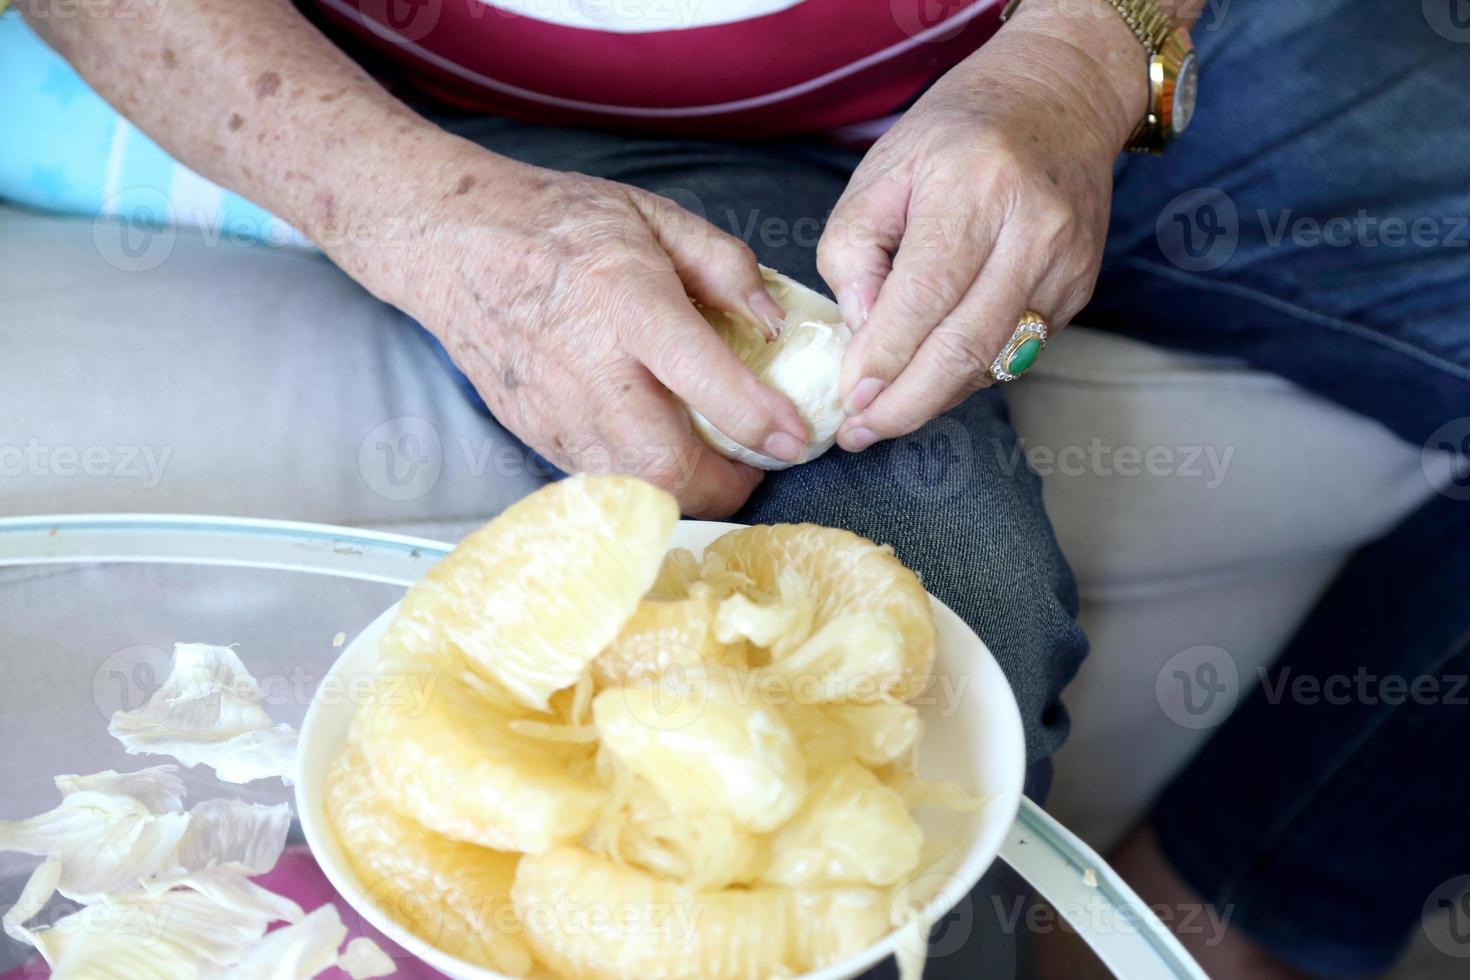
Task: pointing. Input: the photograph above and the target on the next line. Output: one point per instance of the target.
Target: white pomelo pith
(802, 363)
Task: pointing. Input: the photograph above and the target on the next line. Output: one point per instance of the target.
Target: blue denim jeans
(1313, 222)
(1327, 824)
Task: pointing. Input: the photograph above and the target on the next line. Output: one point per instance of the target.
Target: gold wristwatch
(1173, 72)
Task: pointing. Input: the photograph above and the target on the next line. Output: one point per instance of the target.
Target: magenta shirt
(733, 68)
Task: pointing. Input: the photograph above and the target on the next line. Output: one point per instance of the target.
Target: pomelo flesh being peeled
(803, 363)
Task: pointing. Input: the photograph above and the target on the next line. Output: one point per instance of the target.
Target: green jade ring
(1021, 351)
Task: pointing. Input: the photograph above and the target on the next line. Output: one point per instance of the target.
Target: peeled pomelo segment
(454, 760)
(872, 631)
(587, 917)
(449, 893)
(803, 362)
(529, 599)
(835, 923)
(879, 733)
(704, 850)
(573, 705)
(852, 830)
(855, 657)
(834, 735)
(701, 850)
(677, 573)
(917, 792)
(706, 744)
(778, 623)
(663, 635)
(825, 744)
(718, 580)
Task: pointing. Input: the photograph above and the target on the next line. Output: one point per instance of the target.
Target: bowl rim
(1003, 726)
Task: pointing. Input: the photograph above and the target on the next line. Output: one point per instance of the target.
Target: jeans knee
(961, 508)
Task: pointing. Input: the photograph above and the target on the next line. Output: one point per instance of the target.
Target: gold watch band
(1172, 71)
(1148, 21)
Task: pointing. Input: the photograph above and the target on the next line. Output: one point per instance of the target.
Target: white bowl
(972, 734)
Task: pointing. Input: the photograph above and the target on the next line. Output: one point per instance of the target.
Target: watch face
(1186, 89)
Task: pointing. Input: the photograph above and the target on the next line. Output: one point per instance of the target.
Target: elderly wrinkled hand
(564, 299)
(988, 198)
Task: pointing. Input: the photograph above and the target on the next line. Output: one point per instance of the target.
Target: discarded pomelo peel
(726, 739)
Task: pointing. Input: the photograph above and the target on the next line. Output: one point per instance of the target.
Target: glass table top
(93, 603)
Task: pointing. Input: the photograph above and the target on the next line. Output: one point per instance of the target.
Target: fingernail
(768, 312)
(852, 308)
(783, 446)
(862, 395)
(859, 439)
